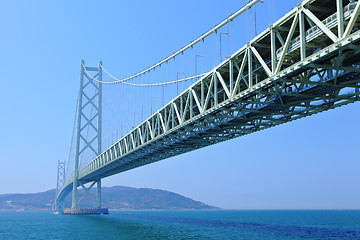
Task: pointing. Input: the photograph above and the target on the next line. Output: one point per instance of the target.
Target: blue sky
(309, 163)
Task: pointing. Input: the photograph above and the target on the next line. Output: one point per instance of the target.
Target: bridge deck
(294, 69)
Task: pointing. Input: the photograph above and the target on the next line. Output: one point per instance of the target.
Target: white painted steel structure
(305, 63)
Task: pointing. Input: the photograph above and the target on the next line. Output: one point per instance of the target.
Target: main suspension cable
(248, 6)
(140, 84)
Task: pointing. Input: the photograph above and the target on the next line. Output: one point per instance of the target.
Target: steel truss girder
(276, 78)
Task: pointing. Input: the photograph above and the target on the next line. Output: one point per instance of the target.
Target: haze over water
(255, 224)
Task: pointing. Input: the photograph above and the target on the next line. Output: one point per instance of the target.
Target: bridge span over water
(305, 63)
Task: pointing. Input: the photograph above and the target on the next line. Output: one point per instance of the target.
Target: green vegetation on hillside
(122, 198)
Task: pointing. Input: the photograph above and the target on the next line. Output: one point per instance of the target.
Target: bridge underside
(287, 99)
(298, 67)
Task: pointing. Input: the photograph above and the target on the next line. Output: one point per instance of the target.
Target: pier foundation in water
(86, 211)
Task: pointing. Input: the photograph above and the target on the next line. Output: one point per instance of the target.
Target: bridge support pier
(59, 183)
(97, 199)
(98, 195)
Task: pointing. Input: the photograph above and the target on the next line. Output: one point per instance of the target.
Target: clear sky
(308, 163)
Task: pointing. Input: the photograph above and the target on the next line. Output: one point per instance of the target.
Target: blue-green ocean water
(183, 225)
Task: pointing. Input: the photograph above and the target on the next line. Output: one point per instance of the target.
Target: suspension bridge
(305, 63)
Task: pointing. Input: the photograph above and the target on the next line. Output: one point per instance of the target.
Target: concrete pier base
(86, 211)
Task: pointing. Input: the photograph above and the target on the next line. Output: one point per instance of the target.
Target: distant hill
(119, 197)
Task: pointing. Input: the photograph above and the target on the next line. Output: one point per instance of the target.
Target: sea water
(271, 224)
